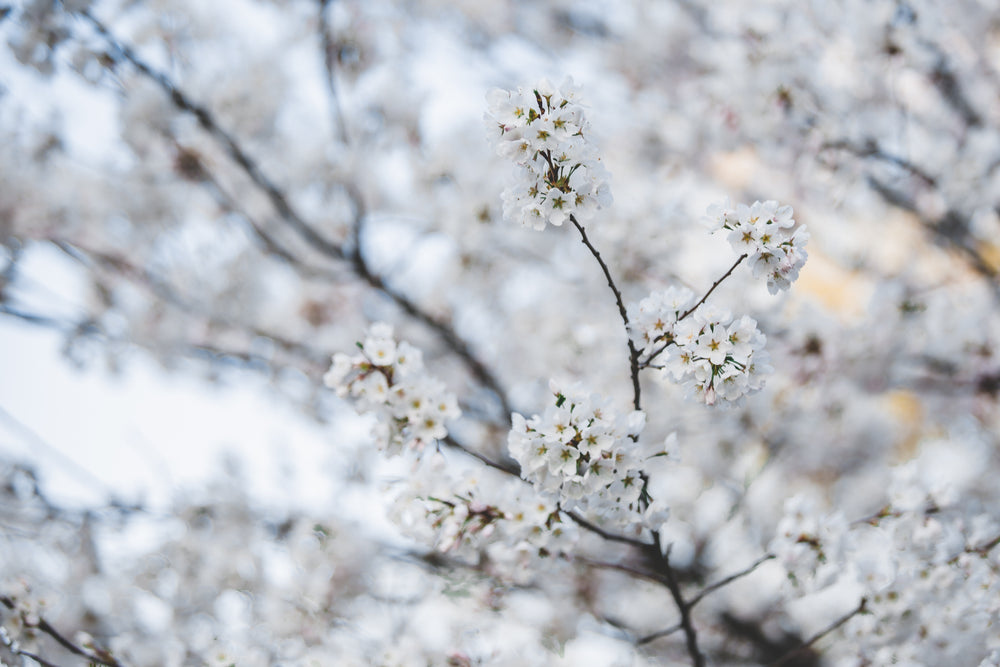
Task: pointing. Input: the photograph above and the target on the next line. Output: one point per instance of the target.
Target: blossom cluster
(702, 348)
(901, 561)
(765, 232)
(473, 510)
(388, 379)
(559, 174)
(585, 456)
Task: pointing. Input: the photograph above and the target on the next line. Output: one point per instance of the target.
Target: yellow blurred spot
(907, 409)
(736, 169)
(842, 292)
(990, 252)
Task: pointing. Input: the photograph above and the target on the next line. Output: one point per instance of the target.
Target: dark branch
(281, 203)
(207, 121)
(712, 288)
(819, 635)
(329, 46)
(479, 370)
(597, 530)
(711, 588)
(871, 149)
(633, 353)
(46, 627)
(620, 567)
(658, 351)
(658, 634)
(661, 560)
(509, 467)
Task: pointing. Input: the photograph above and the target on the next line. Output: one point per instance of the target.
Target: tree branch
(329, 47)
(611, 537)
(207, 121)
(661, 559)
(689, 311)
(633, 354)
(281, 203)
(711, 588)
(103, 658)
(819, 635)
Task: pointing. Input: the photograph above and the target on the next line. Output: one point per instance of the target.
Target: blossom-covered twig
(98, 656)
(281, 203)
(658, 351)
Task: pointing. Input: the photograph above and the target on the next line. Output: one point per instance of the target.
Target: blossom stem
(819, 635)
(44, 626)
(711, 588)
(662, 560)
(632, 351)
(689, 311)
(597, 530)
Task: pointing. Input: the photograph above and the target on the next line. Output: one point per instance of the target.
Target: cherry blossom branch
(987, 547)
(17, 650)
(619, 567)
(653, 636)
(287, 212)
(952, 228)
(196, 170)
(101, 658)
(481, 372)
(689, 311)
(159, 288)
(329, 47)
(712, 288)
(661, 558)
(711, 588)
(207, 121)
(597, 530)
(633, 353)
(509, 467)
(871, 149)
(819, 635)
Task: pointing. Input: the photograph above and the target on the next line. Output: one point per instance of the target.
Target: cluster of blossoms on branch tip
(388, 379)
(705, 350)
(921, 547)
(584, 455)
(765, 232)
(469, 511)
(559, 173)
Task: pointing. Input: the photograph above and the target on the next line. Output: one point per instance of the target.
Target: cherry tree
(674, 325)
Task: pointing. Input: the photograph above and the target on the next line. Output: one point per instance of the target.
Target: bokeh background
(201, 202)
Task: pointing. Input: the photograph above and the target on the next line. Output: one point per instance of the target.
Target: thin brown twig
(689, 311)
(611, 537)
(121, 266)
(988, 546)
(653, 636)
(48, 629)
(819, 635)
(207, 121)
(711, 588)
(871, 149)
(633, 353)
(511, 467)
(712, 288)
(479, 370)
(329, 47)
(619, 567)
(661, 558)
